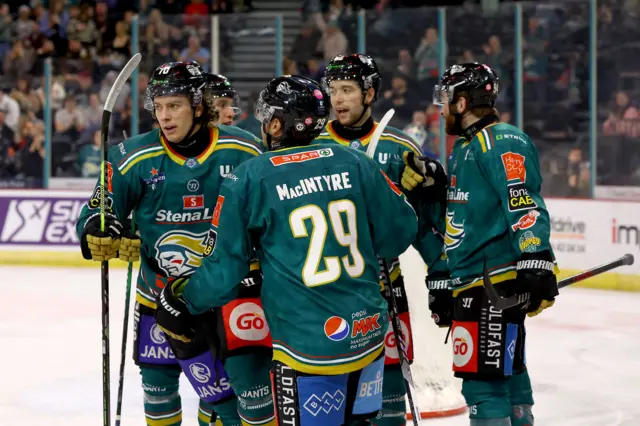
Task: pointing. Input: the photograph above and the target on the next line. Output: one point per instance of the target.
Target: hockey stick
(104, 179)
(125, 326)
(375, 138)
(395, 317)
(501, 303)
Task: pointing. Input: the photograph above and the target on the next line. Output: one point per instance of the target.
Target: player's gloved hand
(101, 245)
(252, 283)
(440, 300)
(536, 277)
(130, 246)
(172, 314)
(422, 172)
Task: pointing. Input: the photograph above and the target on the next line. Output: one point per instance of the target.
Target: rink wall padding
(37, 228)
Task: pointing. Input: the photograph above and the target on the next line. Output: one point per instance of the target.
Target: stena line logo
(624, 234)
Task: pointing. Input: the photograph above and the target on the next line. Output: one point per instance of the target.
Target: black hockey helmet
(219, 86)
(176, 78)
(300, 103)
(360, 68)
(479, 82)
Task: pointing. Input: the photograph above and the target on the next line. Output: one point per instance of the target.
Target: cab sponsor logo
(519, 199)
(526, 221)
(301, 157)
(514, 166)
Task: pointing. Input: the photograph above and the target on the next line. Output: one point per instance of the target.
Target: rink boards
(38, 228)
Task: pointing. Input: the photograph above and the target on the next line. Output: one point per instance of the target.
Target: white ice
(583, 354)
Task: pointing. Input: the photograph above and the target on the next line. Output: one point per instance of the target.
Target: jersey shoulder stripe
(139, 148)
(227, 142)
(486, 137)
(394, 135)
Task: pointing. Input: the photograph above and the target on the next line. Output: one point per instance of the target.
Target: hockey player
(169, 178)
(318, 215)
(353, 83)
(495, 214)
(223, 96)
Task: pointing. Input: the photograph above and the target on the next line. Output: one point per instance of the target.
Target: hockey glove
(130, 246)
(423, 172)
(252, 283)
(536, 277)
(172, 314)
(98, 245)
(440, 300)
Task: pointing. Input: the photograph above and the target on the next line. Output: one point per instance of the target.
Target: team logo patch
(528, 242)
(454, 234)
(301, 157)
(336, 329)
(179, 253)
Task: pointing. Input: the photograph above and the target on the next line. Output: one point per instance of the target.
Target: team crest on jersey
(355, 144)
(179, 253)
(455, 233)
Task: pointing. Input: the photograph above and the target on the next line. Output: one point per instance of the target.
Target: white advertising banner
(587, 233)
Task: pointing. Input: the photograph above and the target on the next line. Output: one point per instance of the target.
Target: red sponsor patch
(364, 326)
(109, 177)
(464, 342)
(526, 221)
(514, 166)
(453, 181)
(192, 202)
(216, 212)
(391, 184)
(391, 350)
(301, 157)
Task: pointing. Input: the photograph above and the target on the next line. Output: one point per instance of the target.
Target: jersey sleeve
(510, 164)
(228, 251)
(123, 193)
(393, 222)
(430, 241)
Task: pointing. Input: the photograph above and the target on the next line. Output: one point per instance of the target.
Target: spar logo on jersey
(301, 157)
(336, 328)
(455, 232)
(179, 253)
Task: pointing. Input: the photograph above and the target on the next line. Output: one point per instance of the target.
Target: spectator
(426, 58)
(6, 27)
(23, 95)
(82, 29)
(69, 120)
(23, 26)
(18, 61)
(405, 63)
(197, 53)
(623, 118)
(315, 69)
(399, 98)
(90, 157)
(306, 44)
(333, 42)
(7, 147)
(10, 111)
(578, 175)
(32, 152)
(93, 112)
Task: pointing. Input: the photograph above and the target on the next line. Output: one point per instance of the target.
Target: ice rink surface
(583, 354)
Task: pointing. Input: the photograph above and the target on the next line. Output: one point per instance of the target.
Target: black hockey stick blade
(502, 303)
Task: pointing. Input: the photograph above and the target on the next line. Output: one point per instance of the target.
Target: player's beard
(452, 125)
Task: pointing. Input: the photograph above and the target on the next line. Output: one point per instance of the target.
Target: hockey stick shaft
(396, 325)
(105, 171)
(502, 303)
(125, 326)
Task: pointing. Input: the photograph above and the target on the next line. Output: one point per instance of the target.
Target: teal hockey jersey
(173, 199)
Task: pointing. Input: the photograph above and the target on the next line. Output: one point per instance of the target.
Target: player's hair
(210, 114)
(479, 111)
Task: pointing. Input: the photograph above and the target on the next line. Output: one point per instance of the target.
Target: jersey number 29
(346, 236)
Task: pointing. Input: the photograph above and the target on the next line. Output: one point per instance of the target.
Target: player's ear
(461, 104)
(368, 96)
(199, 110)
(275, 127)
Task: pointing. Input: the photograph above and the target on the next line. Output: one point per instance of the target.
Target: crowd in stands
(89, 41)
